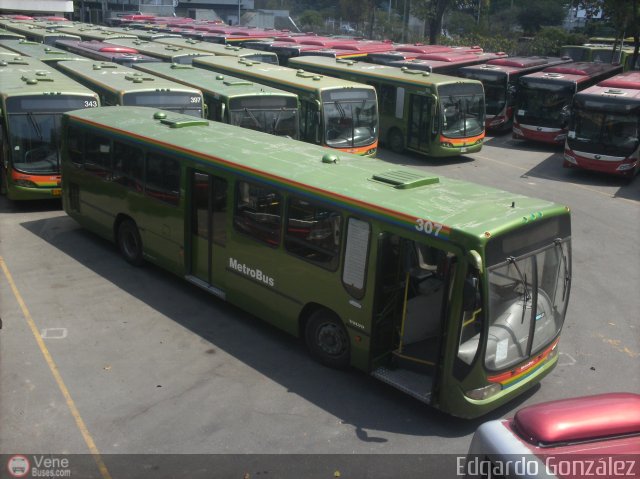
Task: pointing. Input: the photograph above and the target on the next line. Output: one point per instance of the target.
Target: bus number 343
(91, 104)
(428, 227)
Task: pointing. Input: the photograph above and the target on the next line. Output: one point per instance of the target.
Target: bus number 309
(428, 227)
(91, 104)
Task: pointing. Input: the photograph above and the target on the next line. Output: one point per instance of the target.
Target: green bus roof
(274, 75)
(141, 33)
(7, 35)
(208, 82)
(156, 49)
(118, 78)
(42, 52)
(364, 70)
(469, 213)
(93, 33)
(217, 48)
(38, 29)
(23, 76)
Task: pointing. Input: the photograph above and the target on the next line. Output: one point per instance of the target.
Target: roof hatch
(404, 180)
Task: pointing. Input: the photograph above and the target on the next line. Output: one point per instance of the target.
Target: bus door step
(206, 286)
(413, 383)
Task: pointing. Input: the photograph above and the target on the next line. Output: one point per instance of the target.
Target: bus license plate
(463, 149)
(56, 192)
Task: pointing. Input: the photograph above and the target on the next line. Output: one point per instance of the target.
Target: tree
(623, 14)
(541, 13)
(311, 20)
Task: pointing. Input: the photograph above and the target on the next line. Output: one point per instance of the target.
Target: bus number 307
(428, 227)
(91, 104)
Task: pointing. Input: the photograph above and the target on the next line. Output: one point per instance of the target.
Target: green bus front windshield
(462, 109)
(269, 114)
(180, 102)
(351, 117)
(598, 127)
(544, 103)
(33, 124)
(529, 276)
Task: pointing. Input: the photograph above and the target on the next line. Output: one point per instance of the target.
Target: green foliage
(310, 20)
(541, 13)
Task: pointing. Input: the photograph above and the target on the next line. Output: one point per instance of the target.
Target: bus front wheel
(396, 141)
(129, 242)
(327, 339)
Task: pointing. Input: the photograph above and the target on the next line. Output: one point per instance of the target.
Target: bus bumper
(22, 193)
(611, 165)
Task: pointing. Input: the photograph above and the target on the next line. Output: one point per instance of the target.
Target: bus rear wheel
(396, 141)
(327, 339)
(129, 242)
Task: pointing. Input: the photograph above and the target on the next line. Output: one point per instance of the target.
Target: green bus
(92, 32)
(7, 35)
(224, 50)
(453, 292)
(40, 51)
(166, 53)
(32, 100)
(120, 85)
(38, 33)
(335, 113)
(602, 53)
(236, 101)
(431, 114)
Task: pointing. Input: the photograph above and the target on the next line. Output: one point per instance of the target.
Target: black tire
(396, 141)
(129, 242)
(327, 339)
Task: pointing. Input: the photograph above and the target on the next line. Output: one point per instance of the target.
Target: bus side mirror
(318, 119)
(223, 108)
(511, 92)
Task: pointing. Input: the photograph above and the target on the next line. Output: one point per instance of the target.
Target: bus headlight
(517, 131)
(570, 159)
(25, 183)
(560, 138)
(498, 120)
(446, 144)
(484, 392)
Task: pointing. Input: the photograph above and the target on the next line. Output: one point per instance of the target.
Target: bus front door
(418, 135)
(207, 234)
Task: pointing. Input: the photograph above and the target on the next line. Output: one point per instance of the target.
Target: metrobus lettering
(253, 273)
(428, 227)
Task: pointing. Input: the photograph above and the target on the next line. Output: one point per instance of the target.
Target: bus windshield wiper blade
(523, 279)
(35, 125)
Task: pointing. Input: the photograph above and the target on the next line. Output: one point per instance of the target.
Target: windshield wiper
(567, 276)
(523, 279)
(35, 125)
(255, 120)
(276, 120)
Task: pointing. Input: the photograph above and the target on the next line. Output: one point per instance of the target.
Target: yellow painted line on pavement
(56, 374)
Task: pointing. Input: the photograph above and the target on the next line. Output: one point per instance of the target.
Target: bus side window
(258, 212)
(163, 178)
(97, 155)
(75, 145)
(128, 166)
(387, 99)
(313, 233)
(356, 254)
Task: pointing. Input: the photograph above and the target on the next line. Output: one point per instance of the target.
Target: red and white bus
(604, 124)
(107, 52)
(544, 99)
(591, 436)
(500, 79)
(357, 50)
(447, 63)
